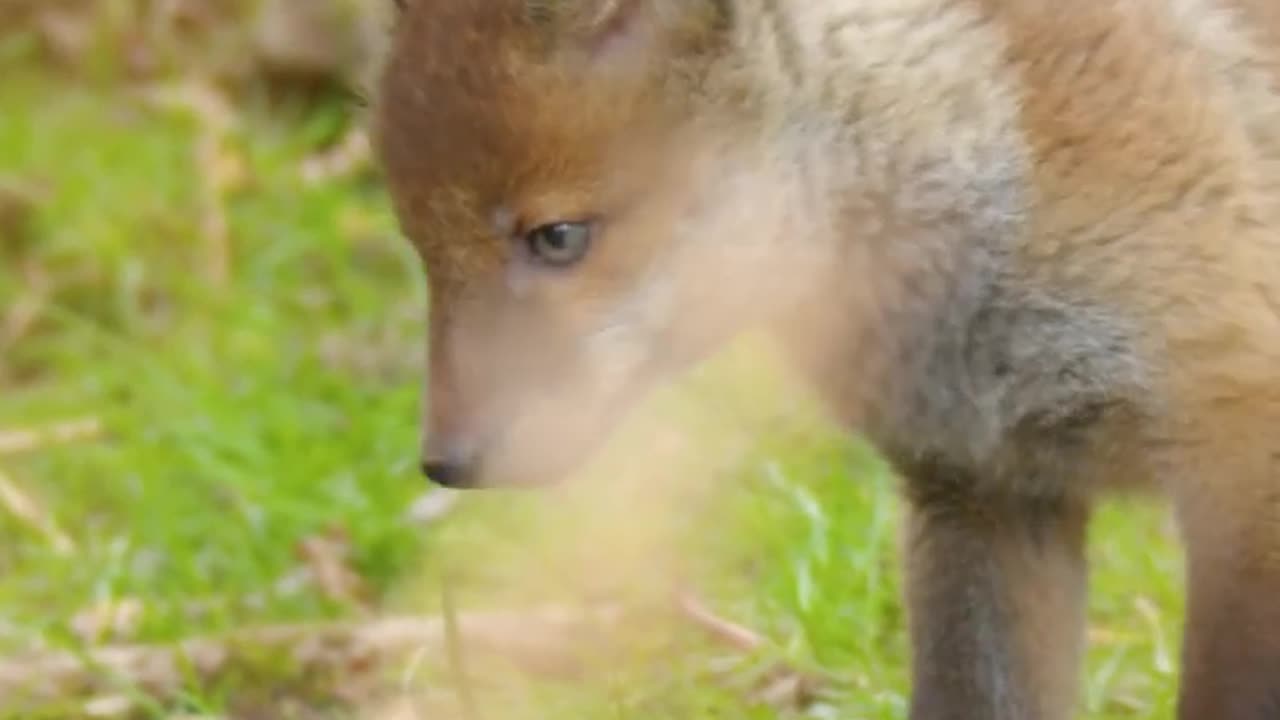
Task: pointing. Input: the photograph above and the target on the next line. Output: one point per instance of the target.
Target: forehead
(475, 115)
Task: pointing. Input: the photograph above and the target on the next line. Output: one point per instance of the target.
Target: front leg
(1230, 513)
(996, 594)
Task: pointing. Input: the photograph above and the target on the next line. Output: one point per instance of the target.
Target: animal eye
(559, 244)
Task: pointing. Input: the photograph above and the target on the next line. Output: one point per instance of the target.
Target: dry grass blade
(737, 636)
(432, 506)
(26, 309)
(13, 442)
(457, 653)
(28, 511)
(782, 687)
(537, 640)
(327, 559)
(350, 156)
(20, 200)
(220, 168)
(114, 619)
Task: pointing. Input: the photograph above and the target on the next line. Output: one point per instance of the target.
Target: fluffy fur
(1028, 247)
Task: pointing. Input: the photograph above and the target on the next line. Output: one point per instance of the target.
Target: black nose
(449, 474)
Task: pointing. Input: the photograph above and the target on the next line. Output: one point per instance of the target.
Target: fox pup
(1029, 248)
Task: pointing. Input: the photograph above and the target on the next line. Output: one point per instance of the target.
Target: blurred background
(210, 346)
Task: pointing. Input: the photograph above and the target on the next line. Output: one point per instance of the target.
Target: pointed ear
(620, 30)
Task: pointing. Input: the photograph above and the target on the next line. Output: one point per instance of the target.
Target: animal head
(606, 191)
(592, 212)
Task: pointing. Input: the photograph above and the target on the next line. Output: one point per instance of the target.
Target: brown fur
(1029, 248)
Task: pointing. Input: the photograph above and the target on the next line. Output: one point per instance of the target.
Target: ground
(247, 340)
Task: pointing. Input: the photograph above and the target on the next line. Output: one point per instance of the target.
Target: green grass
(241, 419)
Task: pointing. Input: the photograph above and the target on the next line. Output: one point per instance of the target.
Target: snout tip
(449, 474)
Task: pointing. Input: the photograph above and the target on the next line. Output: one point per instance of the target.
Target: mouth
(545, 447)
(526, 458)
(507, 468)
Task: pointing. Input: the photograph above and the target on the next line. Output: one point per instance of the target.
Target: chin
(532, 468)
(536, 461)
